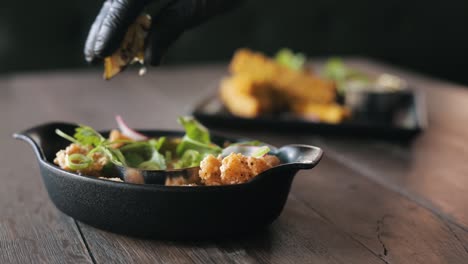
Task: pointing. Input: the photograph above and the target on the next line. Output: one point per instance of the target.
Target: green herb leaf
(144, 154)
(78, 161)
(66, 136)
(157, 143)
(133, 159)
(86, 135)
(337, 71)
(194, 130)
(168, 157)
(190, 158)
(261, 152)
(196, 138)
(114, 155)
(293, 61)
(156, 162)
(247, 143)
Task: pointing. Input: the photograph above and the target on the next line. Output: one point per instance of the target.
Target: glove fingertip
(93, 34)
(107, 43)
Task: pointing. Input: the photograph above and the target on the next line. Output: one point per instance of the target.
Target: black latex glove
(170, 21)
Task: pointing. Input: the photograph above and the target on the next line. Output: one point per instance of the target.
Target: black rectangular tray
(408, 121)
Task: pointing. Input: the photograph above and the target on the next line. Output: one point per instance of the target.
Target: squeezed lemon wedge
(132, 49)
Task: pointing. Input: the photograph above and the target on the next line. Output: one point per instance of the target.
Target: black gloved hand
(172, 19)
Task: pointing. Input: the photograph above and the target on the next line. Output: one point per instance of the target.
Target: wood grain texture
(432, 170)
(31, 229)
(392, 227)
(298, 236)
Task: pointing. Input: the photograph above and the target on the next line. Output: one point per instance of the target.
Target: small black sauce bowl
(166, 212)
(378, 107)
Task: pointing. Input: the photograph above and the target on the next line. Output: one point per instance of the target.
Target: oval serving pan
(169, 212)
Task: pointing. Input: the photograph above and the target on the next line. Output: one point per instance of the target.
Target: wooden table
(369, 201)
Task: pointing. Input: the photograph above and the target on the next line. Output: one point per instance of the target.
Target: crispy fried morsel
(191, 179)
(234, 169)
(328, 113)
(179, 181)
(99, 160)
(116, 135)
(296, 85)
(237, 168)
(210, 173)
(175, 181)
(246, 97)
(271, 160)
(236, 101)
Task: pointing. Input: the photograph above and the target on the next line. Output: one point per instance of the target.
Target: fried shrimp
(210, 172)
(98, 159)
(234, 169)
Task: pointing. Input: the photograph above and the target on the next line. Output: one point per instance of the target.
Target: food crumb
(115, 179)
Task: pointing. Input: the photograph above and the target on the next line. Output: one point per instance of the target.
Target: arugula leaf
(247, 143)
(197, 137)
(156, 162)
(157, 144)
(168, 157)
(293, 61)
(133, 159)
(136, 153)
(136, 147)
(194, 130)
(145, 155)
(190, 144)
(190, 158)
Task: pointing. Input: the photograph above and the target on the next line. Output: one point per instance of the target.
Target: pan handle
(300, 156)
(39, 136)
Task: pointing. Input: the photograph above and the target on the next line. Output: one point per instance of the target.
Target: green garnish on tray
(294, 61)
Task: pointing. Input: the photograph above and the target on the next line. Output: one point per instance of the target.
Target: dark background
(426, 36)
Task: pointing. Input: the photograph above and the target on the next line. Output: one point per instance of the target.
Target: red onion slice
(127, 131)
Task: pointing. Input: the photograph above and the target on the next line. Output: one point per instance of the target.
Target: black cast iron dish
(171, 212)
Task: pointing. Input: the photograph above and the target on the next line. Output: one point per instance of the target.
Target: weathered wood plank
(299, 236)
(432, 170)
(460, 234)
(31, 229)
(391, 226)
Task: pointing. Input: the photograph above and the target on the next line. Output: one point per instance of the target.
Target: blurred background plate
(406, 120)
